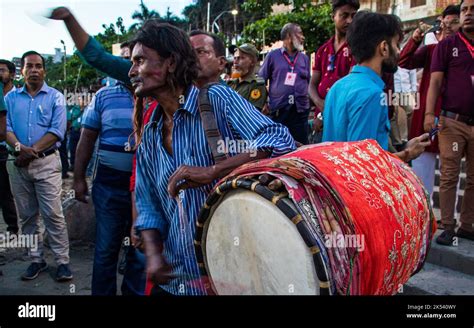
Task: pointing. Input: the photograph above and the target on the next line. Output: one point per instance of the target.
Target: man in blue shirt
(356, 105)
(36, 123)
(174, 154)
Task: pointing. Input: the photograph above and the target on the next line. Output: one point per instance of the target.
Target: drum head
(252, 248)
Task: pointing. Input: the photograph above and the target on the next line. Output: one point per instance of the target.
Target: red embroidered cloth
(359, 190)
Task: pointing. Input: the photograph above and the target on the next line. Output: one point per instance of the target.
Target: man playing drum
(174, 157)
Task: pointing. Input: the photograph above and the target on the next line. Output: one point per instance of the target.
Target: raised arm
(412, 55)
(91, 50)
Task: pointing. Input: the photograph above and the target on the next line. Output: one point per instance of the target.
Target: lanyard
(291, 63)
(469, 46)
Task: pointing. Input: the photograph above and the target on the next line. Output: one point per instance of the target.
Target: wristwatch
(319, 116)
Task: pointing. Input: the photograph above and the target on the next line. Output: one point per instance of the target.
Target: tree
(172, 19)
(142, 16)
(196, 15)
(145, 14)
(315, 22)
(114, 33)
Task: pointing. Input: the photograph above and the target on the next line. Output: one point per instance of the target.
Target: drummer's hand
(190, 177)
(136, 240)
(158, 270)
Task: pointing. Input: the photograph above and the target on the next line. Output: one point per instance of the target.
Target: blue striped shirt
(30, 118)
(237, 119)
(111, 113)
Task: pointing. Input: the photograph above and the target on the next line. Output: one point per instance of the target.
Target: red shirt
(332, 65)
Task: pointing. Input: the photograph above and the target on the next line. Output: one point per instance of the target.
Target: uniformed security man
(248, 84)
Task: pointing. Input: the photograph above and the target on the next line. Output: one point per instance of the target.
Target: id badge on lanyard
(290, 79)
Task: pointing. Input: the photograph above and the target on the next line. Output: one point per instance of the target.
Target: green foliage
(254, 19)
(196, 14)
(314, 20)
(144, 14)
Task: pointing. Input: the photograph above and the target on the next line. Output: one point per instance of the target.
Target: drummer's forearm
(152, 241)
(227, 166)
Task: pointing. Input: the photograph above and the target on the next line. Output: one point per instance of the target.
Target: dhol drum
(336, 218)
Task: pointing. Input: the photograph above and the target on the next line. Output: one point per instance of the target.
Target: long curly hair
(169, 42)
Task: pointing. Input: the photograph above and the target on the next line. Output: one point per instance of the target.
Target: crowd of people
(156, 160)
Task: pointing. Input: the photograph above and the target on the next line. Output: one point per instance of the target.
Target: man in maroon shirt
(333, 59)
(453, 63)
(415, 55)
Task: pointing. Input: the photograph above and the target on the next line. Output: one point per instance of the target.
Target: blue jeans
(113, 210)
(134, 276)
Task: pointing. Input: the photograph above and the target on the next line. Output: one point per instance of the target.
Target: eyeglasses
(331, 65)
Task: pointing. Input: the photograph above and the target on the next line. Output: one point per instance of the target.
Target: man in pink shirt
(452, 77)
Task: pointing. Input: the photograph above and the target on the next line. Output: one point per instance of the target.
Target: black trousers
(74, 136)
(296, 122)
(6, 198)
(63, 154)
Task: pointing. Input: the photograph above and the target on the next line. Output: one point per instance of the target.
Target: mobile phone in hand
(433, 133)
(435, 130)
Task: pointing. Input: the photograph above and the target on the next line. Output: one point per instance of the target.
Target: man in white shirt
(405, 101)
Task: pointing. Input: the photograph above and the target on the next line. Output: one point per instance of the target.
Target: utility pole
(208, 16)
(65, 73)
(235, 29)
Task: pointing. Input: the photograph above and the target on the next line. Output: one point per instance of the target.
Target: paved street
(448, 271)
